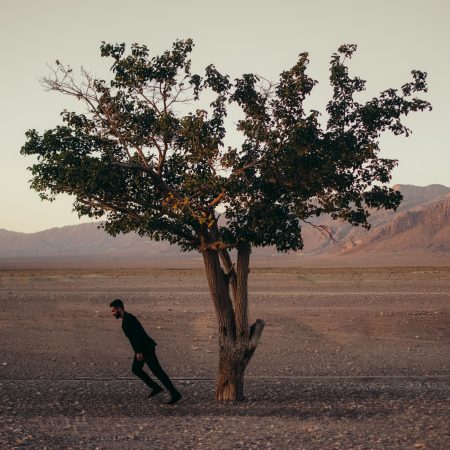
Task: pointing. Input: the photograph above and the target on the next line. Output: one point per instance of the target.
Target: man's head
(117, 308)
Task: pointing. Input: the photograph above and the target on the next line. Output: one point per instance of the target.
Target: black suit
(143, 343)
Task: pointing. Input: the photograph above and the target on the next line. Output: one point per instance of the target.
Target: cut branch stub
(255, 335)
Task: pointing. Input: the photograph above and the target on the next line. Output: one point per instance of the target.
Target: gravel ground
(279, 415)
(351, 359)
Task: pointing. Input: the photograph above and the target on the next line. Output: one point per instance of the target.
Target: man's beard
(117, 315)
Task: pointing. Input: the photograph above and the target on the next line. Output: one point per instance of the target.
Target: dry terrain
(350, 358)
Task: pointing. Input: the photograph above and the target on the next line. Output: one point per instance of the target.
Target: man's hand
(139, 356)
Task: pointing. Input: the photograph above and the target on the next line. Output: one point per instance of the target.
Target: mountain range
(418, 233)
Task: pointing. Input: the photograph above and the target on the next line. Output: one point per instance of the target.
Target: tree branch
(109, 207)
(217, 200)
(323, 229)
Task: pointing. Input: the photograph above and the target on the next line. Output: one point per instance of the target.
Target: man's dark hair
(117, 303)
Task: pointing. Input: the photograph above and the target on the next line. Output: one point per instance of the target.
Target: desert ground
(350, 358)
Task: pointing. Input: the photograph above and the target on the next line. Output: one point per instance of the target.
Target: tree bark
(220, 294)
(233, 361)
(237, 342)
(241, 300)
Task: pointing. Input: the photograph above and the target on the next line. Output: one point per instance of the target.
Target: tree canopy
(146, 157)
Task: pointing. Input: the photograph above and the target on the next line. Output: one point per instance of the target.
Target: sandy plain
(350, 358)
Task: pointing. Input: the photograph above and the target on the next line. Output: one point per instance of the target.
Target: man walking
(144, 349)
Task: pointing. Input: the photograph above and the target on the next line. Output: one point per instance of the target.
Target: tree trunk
(230, 381)
(237, 342)
(233, 361)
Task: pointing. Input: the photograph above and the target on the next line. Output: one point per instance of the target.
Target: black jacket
(134, 331)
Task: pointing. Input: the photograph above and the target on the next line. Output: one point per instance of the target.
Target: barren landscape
(350, 358)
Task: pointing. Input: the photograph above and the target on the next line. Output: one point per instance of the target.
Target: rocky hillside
(425, 227)
(422, 222)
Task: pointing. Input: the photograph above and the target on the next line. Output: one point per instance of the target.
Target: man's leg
(152, 361)
(136, 368)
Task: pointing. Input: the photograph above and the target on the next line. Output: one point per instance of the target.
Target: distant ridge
(75, 240)
(419, 229)
(425, 227)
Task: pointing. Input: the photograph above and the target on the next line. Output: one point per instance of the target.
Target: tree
(135, 159)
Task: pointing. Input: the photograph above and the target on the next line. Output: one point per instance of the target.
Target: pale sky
(256, 36)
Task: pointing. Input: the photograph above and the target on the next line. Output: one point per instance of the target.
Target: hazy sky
(265, 37)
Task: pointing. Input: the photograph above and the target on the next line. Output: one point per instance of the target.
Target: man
(144, 349)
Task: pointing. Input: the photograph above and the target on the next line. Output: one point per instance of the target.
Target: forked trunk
(237, 341)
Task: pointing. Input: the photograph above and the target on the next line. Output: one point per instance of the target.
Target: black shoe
(155, 391)
(175, 397)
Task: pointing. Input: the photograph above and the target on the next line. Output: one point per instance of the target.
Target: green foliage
(134, 159)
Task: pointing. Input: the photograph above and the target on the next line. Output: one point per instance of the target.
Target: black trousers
(152, 362)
